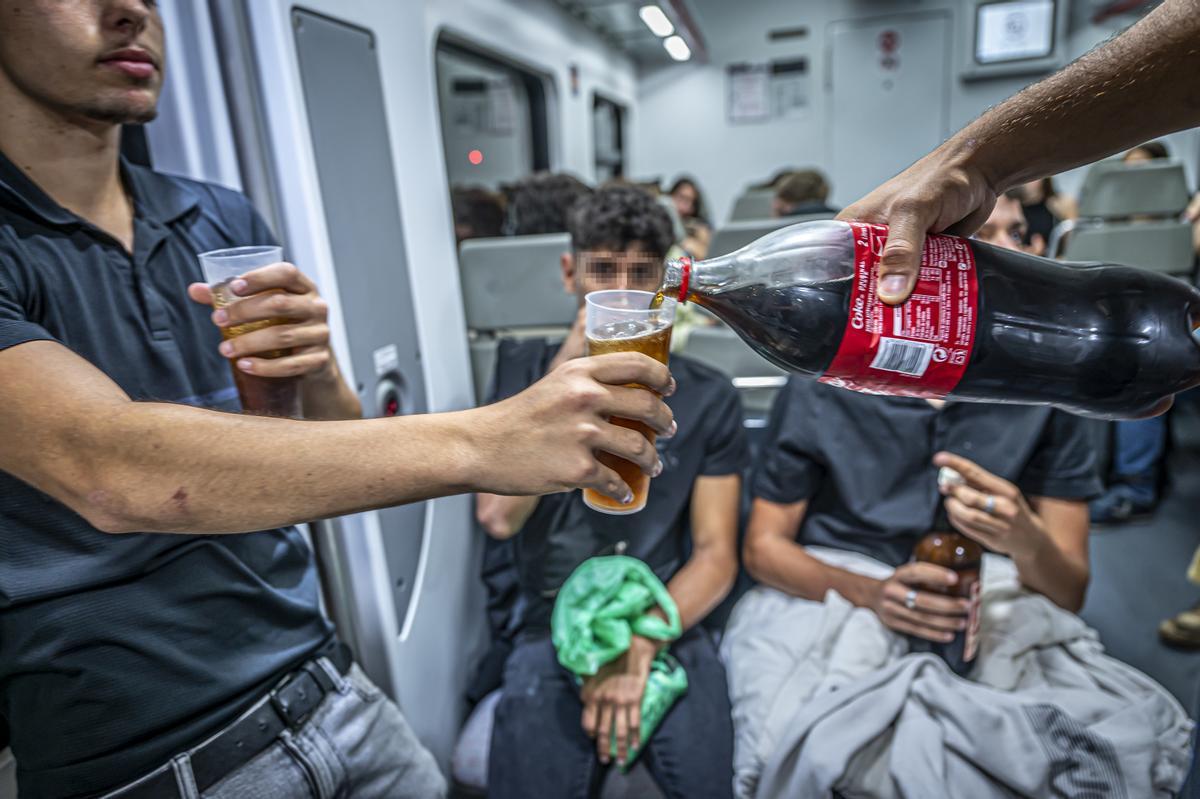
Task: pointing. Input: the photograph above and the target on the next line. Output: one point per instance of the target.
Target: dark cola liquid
(1107, 341)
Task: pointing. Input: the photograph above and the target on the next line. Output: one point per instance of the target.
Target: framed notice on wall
(749, 92)
(789, 87)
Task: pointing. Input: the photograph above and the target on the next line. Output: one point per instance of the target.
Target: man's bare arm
(1137, 86)
(503, 517)
(774, 558)
(702, 582)
(139, 466)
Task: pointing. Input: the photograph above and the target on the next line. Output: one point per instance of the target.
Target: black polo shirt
(563, 532)
(118, 651)
(864, 462)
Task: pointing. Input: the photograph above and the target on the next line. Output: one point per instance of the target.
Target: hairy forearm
(168, 468)
(785, 566)
(1128, 90)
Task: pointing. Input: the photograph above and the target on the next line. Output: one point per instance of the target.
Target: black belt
(285, 707)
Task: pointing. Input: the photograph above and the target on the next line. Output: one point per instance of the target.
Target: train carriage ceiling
(620, 22)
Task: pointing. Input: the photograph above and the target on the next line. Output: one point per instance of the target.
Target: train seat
(756, 379)
(512, 286)
(752, 204)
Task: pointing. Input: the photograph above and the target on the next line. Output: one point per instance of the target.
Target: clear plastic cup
(623, 321)
(273, 396)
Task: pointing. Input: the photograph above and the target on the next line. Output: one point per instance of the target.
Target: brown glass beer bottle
(954, 551)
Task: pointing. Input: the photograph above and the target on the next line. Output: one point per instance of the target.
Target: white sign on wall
(1013, 31)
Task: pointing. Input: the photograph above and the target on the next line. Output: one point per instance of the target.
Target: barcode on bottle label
(906, 357)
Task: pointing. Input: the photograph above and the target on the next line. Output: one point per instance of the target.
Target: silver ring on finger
(989, 507)
(910, 599)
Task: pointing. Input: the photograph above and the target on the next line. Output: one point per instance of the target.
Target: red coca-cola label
(920, 348)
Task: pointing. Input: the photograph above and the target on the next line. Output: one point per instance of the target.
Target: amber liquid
(954, 551)
(628, 337)
(269, 396)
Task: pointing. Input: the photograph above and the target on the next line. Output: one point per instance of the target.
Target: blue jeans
(356, 744)
(1138, 447)
(539, 748)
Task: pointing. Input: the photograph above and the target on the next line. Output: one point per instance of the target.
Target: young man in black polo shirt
(856, 473)
(150, 659)
(550, 736)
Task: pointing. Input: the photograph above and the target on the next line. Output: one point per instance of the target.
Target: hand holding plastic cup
(273, 396)
(623, 321)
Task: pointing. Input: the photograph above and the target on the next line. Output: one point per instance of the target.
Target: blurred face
(97, 59)
(685, 199)
(1137, 156)
(1006, 226)
(586, 271)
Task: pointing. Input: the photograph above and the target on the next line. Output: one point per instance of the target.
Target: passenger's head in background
(773, 182)
(540, 203)
(1037, 191)
(619, 238)
(803, 191)
(1150, 151)
(92, 62)
(689, 202)
(1006, 226)
(478, 213)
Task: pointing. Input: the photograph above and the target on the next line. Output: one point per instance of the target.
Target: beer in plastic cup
(623, 321)
(272, 396)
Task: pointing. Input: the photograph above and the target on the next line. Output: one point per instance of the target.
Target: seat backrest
(736, 235)
(721, 348)
(1113, 189)
(752, 204)
(757, 379)
(1161, 246)
(515, 282)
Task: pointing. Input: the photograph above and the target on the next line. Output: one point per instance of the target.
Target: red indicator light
(392, 407)
(475, 157)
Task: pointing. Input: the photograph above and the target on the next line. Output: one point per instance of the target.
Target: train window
(493, 115)
(608, 138)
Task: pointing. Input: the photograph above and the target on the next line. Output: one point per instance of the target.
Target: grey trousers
(356, 745)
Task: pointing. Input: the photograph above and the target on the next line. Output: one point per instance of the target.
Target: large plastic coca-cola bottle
(984, 323)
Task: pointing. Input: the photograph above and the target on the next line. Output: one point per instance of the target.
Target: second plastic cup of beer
(273, 396)
(623, 321)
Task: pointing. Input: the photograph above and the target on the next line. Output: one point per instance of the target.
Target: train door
(888, 96)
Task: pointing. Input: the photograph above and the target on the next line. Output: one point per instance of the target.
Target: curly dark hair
(617, 216)
(540, 203)
(477, 212)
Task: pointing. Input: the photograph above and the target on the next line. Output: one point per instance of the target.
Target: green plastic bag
(601, 606)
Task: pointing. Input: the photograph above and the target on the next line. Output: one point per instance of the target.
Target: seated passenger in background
(839, 507)
(801, 193)
(689, 202)
(550, 735)
(1139, 446)
(1150, 151)
(1044, 207)
(478, 213)
(772, 183)
(540, 203)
